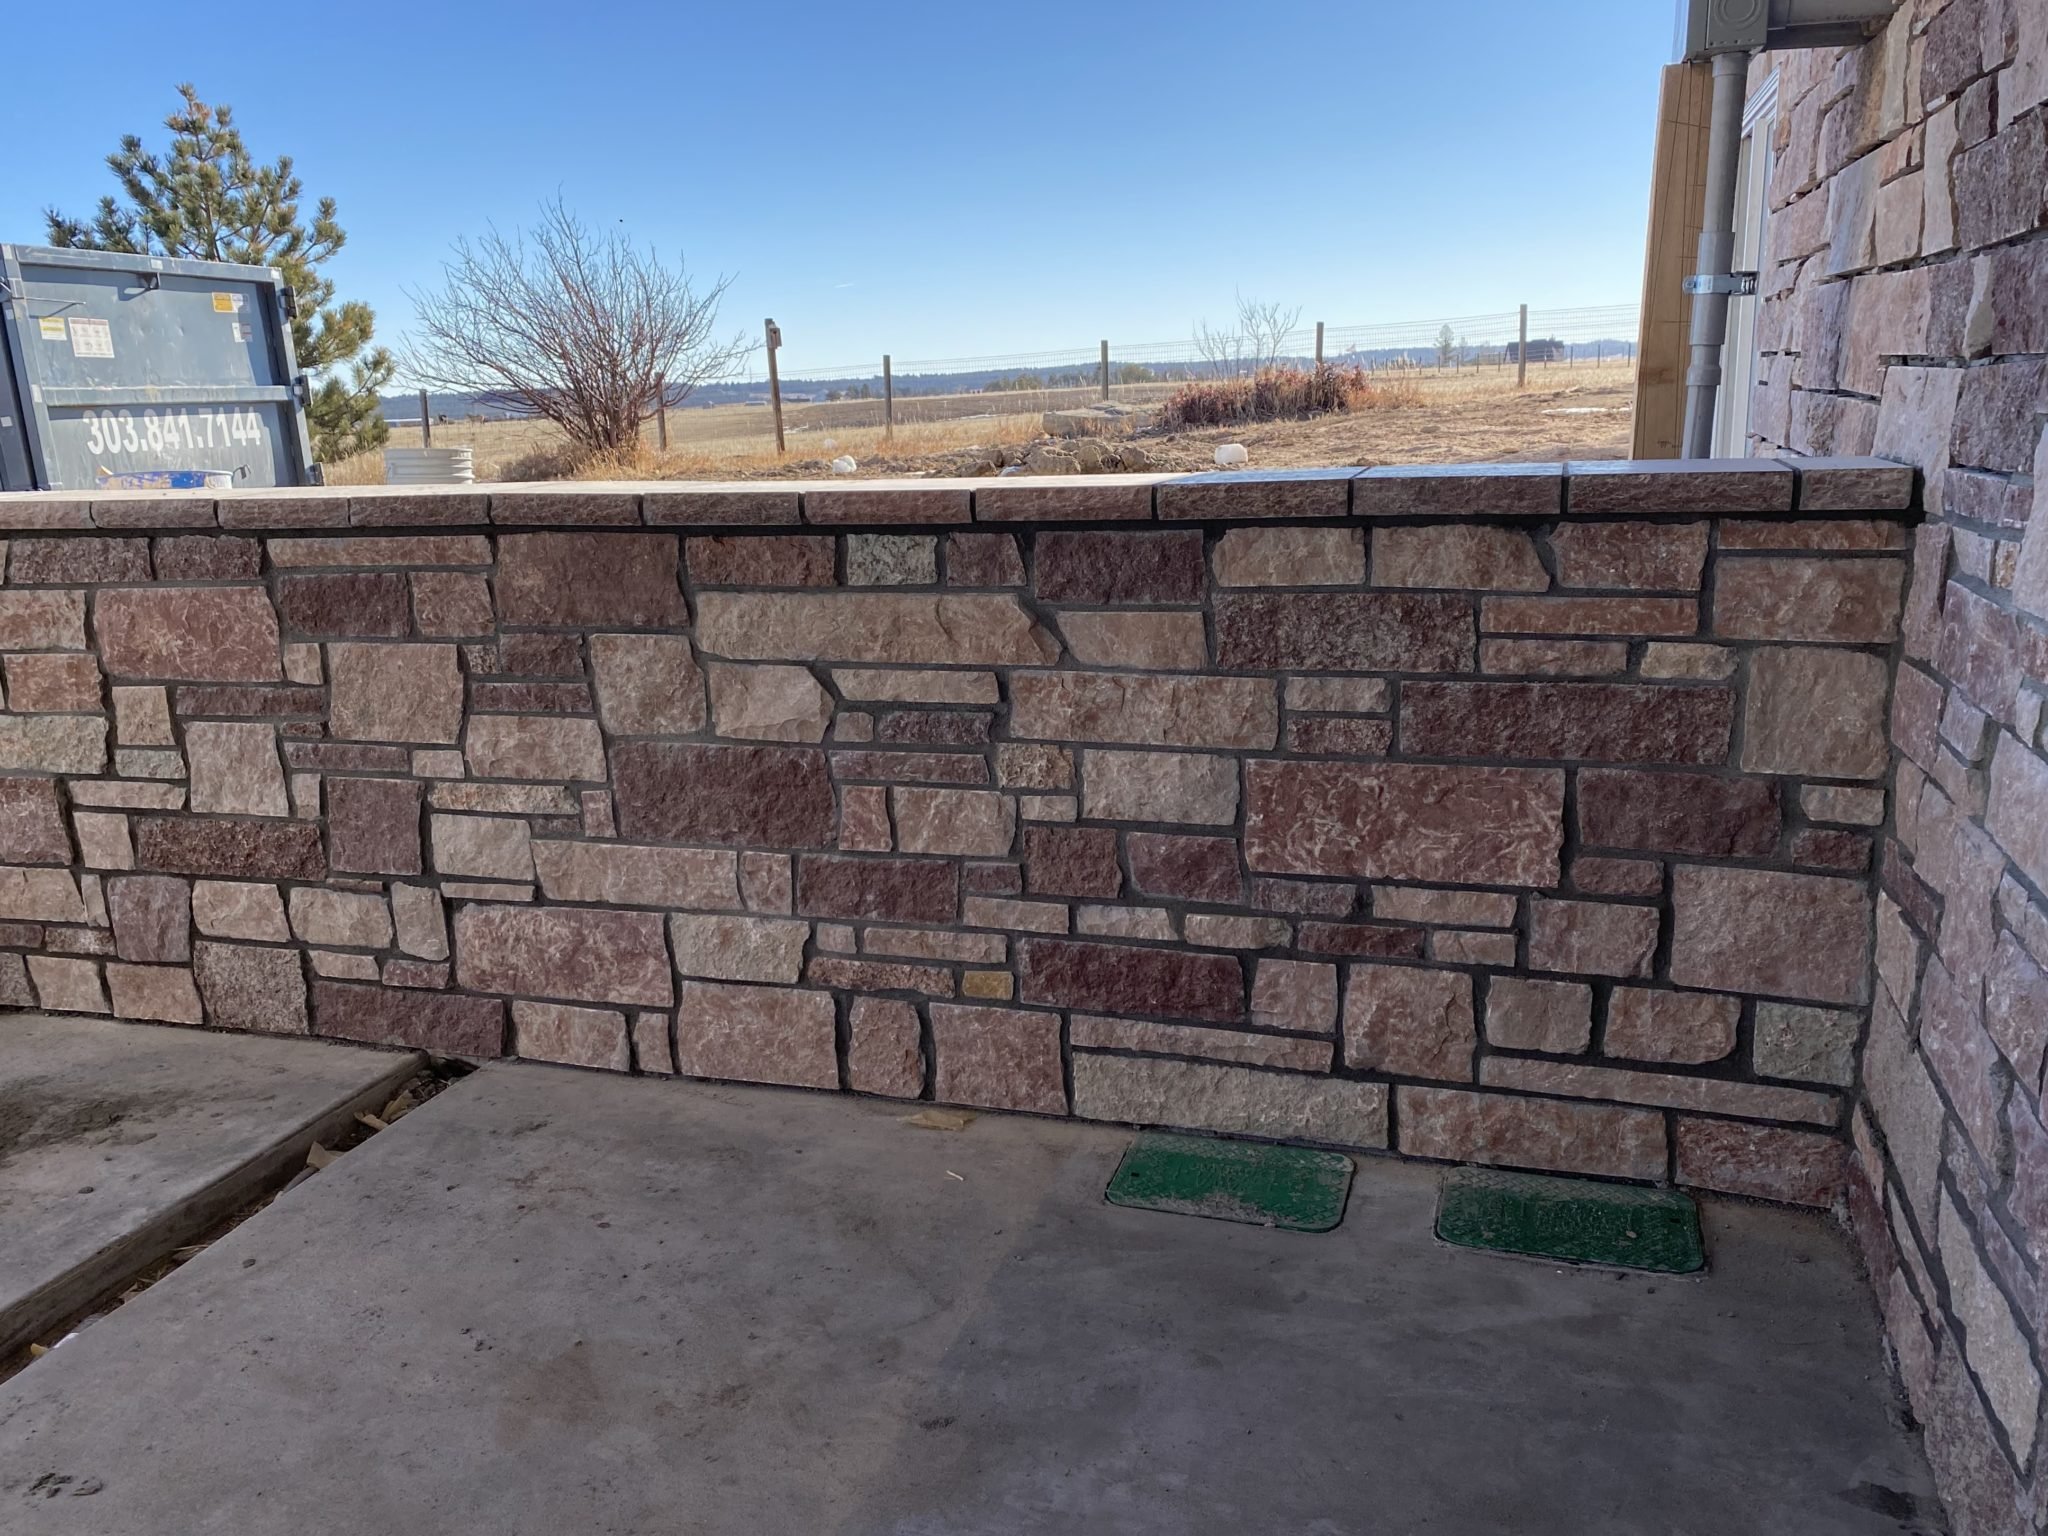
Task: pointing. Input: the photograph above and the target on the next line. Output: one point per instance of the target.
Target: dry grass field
(1474, 415)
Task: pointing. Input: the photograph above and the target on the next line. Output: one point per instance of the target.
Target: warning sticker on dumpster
(52, 327)
(226, 303)
(91, 338)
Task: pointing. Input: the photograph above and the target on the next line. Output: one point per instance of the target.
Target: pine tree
(208, 200)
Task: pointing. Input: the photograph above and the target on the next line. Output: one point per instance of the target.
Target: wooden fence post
(775, 381)
(1522, 352)
(1105, 370)
(661, 411)
(888, 399)
(1319, 343)
(426, 423)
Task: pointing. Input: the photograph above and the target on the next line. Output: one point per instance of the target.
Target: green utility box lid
(1290, 1187)
(1580, 1221)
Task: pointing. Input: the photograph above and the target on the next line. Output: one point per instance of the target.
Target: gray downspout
(1716, 255)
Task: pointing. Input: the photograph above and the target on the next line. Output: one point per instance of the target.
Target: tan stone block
(342, 967)
(302, 663)
(247, 987)
(1051, 808)
(1591, 938)
(1146, 640)
(1230, 1099)
(104, 840)
(42, 621)
(396, 692)
(1291, 557)
(1840, 804)
(1807, 1045)
(1216, 930)
(1524, 1015)
(1034, 765)
(1187, 788)
(647, 685)
(142, 717)
(1145, 709)
(884, 1048)
(1457, 557)
(1462, 1127)
(997, 986)
(571, 953)
(628, 875)
(53, 743)
(1816, 710)
(162, 993)
(422, 928)
(1409, 1021)
(1766, 932)
(345, 919)
(577, 1037)
(761, 949)
(1459, 946)
(53, 684)
(67, 986)
(768, 703)
(954, 821)
(900, 629)
(1026, 916)
(235, 909)
(1122, 922)
(535, 747)
(1463, 909)
(899, 685)
(235, 769)
(757, 1034)
(482, 847)
(1295, 994)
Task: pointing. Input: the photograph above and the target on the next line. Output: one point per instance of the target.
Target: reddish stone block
(373, 826)
(447, 1025)
(1591, 938)
(878, 976)
(1410, 1021)
(884, 1048)
(1815, 710)
(1403, 821)
(1980, 650)
(732, 796)
(199, 634)
(1459, 490)
(1761, 1161)
(345, 757)
(206, 557)
(679, 503)
(1582, 722)
(1257, 493)
(1830, 848)
(357, 603)
(42, 621)
(1617, 877)
(452, 605)
(76, 562)
(1689, 1027)
(1630, 556)
(935, 728)
(1456, 556)
(1073, 861)
(247, 702)
(579, 954)
(1775, 934)
(1679, 485)
(782, 560)
(1119, 978)
(530, 698)
(230, 847)
(32, 823)
(1824, 536)
(1715, 1096)
(757, 1034)
(893, 890)
(598, 580)
(911, 767)
(577, 1037)
(1554, 658)
(541, 655)
(1304, 898)
(1326, 737)
(1183, 868)
(1589, 615)
(1345, 631)
(1678, 813)
(152, 918)
(1095, 569)
(1145, 709)
(1554, 1016)
(1854, 602)
(1463, 1127)
(1001, 1058)
(993, 879)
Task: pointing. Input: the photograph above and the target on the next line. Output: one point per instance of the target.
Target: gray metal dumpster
(144, 371)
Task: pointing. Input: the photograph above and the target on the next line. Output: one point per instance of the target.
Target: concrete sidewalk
(118, 1142)
(551, 1301)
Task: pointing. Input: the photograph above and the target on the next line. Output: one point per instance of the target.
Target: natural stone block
(1627, 616)
(2018, 808)
(577, 954)
(1596, 876)
(53, 684)
(1591, 938)
(864, 819)
(47, 621)
(67, 986)
(1070, 861)
(884, 1048)
(1678, 813)
(1220, 930)
(35, 562)
(1185, 868)
(620, 874)
(233, 849)
(396, 692)
(1184, 787)
(1457, 557)
(365, 603)
(1578, 722)
(1993, 1343)
(1404, 821)
(1115, 978)
(830, 970)
(1344, 631)
(1097, 569)
(1232, 1100)
(1148, 710)
(1362, 940)
(1854, 602)
(1812, 710)
(373, 826)
(1340, 738)
(1170, 640)
(1339, 695)
(1116, 922)
(577, 1037)
(204, 557)
(768, 703)
(757, 1035)
(1761, 1162)
(1295, 994)
(894, 629)
(152, 917)
(535, 747)
(1452, 946)
(190, 634)
(954, 821)
(444, 1023)
(1779, 935)
(647, 685)
(653, 1049)
(1839, 803)
(1464, 909)
(591, 580)
(1692, 1028)
(778, 796)
(452, 605)
(1554, 1016)
(1651, 557)
(32, 823)
(1554, 658)
(1091, 1032)
(897, 685)
(780, 560)
(1668, 659)
(53, 744)
(235, 769)
(1002, 1058)
(762, 949)
(232, 909)
(1298, 557)
(1808, 1045)
(1409, 1022)
(104, 841)
(342, 919)
(891, 560)
(142, 717)
(247, 987)
(983, 560)
(482, 847)
(346, 967)
(159, 993)
(1598, 1139)
(892, 890)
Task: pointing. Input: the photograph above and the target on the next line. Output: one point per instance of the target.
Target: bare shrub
(581, 329)
(1280, 394)
(1253, 342)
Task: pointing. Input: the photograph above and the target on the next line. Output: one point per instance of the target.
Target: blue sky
(930, 180)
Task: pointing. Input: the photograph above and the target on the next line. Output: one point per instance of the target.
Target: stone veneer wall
(1907, 311)
(1498, 815)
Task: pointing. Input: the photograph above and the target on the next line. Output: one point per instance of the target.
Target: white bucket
(429, 466)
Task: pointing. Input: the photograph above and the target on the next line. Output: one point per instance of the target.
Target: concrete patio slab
(118, 1142)
(556, 1301)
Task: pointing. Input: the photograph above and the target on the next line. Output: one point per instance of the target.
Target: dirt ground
(1473, 416)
